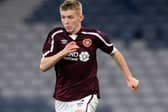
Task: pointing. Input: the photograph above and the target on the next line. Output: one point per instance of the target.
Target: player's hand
(133, 83)
(70, 47)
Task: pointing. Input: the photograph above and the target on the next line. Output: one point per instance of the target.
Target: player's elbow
(43, 68)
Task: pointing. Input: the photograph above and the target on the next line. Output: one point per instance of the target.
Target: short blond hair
(71, 5)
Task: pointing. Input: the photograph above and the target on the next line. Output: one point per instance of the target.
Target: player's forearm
(122, 64)
(48, 62)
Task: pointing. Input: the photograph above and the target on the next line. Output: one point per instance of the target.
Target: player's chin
(68, 29)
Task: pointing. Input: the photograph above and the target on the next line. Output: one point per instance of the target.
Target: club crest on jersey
(87, 42)
(64, 41)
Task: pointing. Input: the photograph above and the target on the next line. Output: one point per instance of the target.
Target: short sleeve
(104, 43)
(50, 45)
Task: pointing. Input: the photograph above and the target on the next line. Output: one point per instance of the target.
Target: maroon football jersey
(76, 73)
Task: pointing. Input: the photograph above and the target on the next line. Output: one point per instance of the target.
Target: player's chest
(85, 52)
(85, 43)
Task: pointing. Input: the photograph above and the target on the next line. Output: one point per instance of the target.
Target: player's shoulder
(92, 31)
(56, 30)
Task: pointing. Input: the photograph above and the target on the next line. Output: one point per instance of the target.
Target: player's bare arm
(48, 62)
(131, 81)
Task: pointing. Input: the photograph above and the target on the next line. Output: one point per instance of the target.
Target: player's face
(71, 20)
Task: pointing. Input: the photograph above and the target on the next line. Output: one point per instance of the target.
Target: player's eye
(70, 17)
(62, 17)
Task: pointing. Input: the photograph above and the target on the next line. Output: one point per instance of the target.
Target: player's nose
(66, 21)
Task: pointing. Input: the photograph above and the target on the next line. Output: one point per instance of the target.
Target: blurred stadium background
(139, 28)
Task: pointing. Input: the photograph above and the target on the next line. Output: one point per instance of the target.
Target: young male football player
(71, 49)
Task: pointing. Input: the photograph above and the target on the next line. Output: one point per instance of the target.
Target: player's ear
(82, 17)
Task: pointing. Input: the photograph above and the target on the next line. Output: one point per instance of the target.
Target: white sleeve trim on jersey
(52, 42)
(100, 37)
(114, 51)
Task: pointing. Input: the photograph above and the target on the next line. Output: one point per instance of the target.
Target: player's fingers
(131, 86)
(135, 86)
(72, 45)
(70, 48)
(73, 48)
